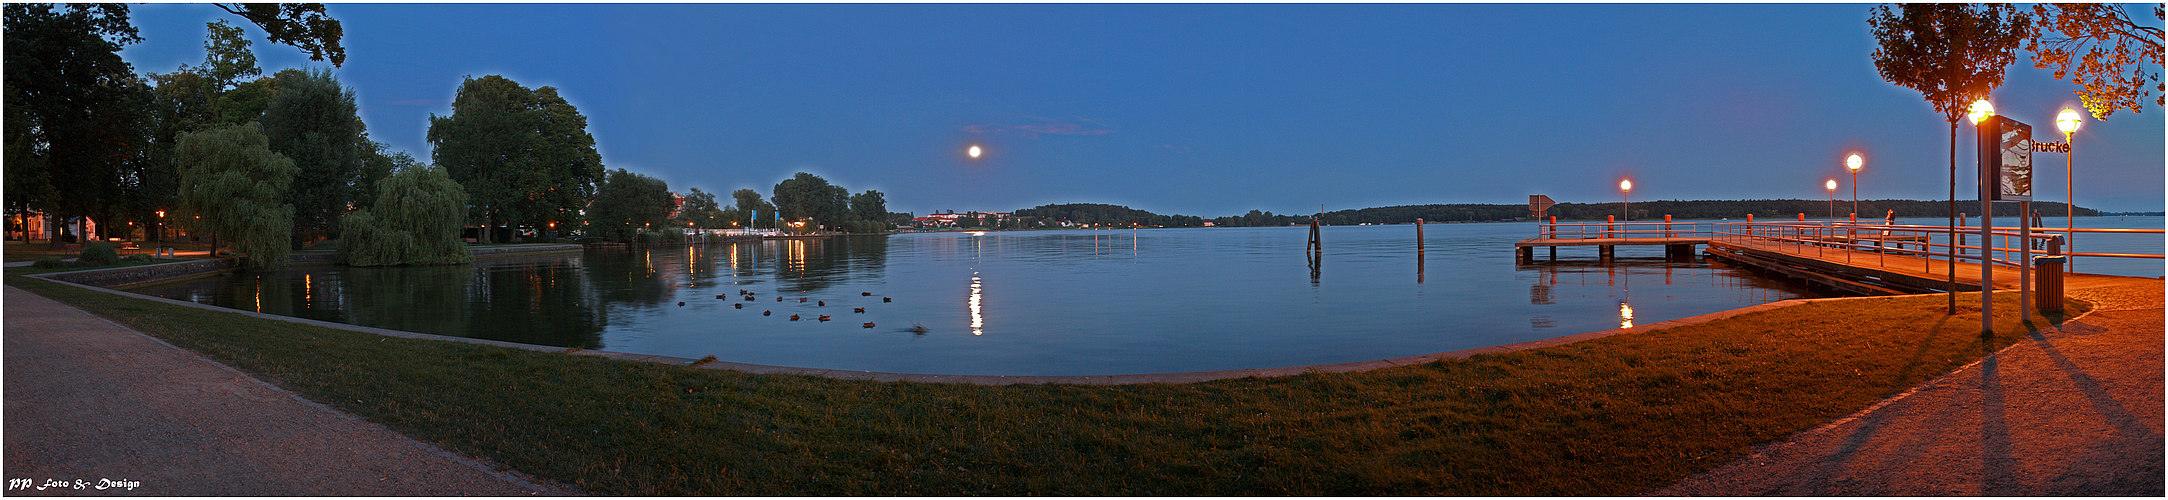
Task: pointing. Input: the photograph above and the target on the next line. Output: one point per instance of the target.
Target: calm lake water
(1027, 302)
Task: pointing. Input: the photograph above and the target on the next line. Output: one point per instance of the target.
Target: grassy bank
(1613, 416)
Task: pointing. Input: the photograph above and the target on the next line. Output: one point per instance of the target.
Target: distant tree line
(1642, 210)
(1101, 214)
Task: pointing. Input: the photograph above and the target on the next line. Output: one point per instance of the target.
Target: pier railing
(2005, 245)
(1606, 230)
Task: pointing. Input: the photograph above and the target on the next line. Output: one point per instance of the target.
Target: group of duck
(749, 296)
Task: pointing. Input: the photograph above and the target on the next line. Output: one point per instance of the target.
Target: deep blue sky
(1206, 109)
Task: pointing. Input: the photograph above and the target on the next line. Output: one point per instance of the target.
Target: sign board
(2006, 172)
(1539, 205)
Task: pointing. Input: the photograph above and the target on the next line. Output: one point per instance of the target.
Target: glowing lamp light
(974, 151)
(1626, 185)
(1831, 185)
(1981, 109)
(2067, 121)
(1853, 162)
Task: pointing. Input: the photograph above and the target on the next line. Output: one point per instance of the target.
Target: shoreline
(996, 380)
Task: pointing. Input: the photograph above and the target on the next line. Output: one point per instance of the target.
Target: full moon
(974, 152)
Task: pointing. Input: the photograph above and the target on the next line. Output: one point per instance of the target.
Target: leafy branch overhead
(302, 25)
(2100, 47)
(1951, 53)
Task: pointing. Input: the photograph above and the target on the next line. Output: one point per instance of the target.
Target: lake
(1082, 302)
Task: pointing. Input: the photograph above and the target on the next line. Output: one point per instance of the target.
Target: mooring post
(1610, 224)
(1667, 225)
(1418, 234)
(1553, 228)
(1316, 246)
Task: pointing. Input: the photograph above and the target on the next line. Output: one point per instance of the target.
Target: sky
(1208, 110)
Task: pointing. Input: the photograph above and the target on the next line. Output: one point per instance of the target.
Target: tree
(415, 220)
(751, 204)
(302, 25)
(626, 204)
(807, 195)
(701, 210)
(314, 122)
(525, 157)
(1953, 54)
(869, 206)
(376, 165)
(2102, 49)
(76, 109)
(226, 55)
(231, 179)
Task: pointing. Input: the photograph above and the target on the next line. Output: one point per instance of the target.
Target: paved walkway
(87, 399)
(2072, 411)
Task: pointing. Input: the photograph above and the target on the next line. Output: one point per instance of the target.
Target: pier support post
(1603, 252)
(1527, 254)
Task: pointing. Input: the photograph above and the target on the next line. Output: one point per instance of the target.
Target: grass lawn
(1613, 416)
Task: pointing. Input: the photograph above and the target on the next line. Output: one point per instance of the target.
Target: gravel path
(2071, 411)
(90, 400)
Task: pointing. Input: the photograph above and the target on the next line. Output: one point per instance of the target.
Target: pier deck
(1870, 272)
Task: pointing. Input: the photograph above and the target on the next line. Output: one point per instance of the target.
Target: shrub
(49, 263)
(99, 253)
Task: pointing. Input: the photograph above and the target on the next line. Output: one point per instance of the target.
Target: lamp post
(1980, 111)
(1853, 163)
(1832, 187)
(2067, 121)
(1626, 187)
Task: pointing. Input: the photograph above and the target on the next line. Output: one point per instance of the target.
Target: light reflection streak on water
(978, 322)
(308, 290)
(1625, 315)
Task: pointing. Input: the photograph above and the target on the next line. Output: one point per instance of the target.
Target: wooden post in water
(1418, 234)
(1315, 248)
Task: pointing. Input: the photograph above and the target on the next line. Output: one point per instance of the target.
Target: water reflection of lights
(978, 322)
(308, 290)
(1625, 315)
(794, 252)
(977, 233)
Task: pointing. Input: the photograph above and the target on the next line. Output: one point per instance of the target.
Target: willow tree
(1953, 54)
(231, 179)
(415, 220)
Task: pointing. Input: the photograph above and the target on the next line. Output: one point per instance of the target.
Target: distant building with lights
(950, 218)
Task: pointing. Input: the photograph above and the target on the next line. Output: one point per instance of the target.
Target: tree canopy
(2105, 51)
(415, 220)
(524, 156)
(751, 204)
(1951, 53)
(626, 204)
(313, 121)
(302, 25)
(231, 178)
(76, 110)
(701, 210)
(809, 196)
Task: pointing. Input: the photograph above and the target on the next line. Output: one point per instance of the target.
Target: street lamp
(1853, 163)
(1832, 187)
(1626, 205)
(2068, 122)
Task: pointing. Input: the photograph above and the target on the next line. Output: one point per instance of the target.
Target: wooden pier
(1675, 246)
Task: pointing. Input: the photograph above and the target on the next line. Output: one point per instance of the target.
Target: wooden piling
(1418, 234)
